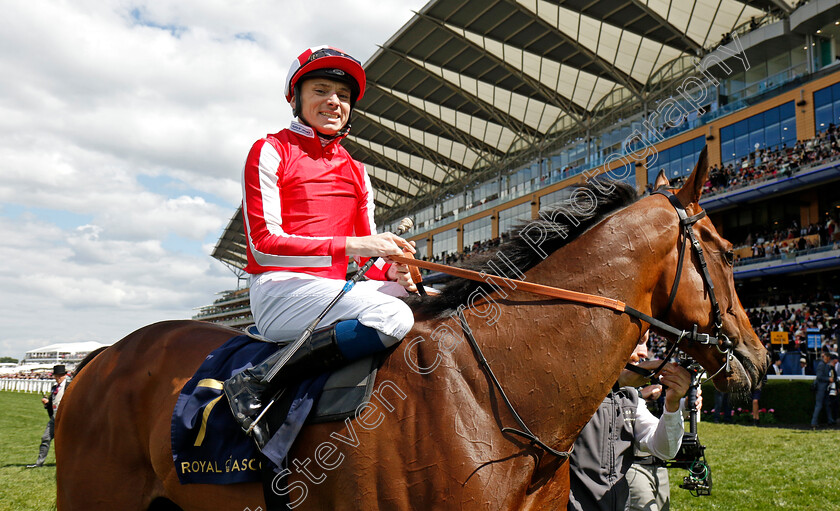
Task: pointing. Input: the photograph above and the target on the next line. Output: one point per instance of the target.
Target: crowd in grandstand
(763, 164)
(796, 320)
(34, 375)
(791, 240)
(767, 164)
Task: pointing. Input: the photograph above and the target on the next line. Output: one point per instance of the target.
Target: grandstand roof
(469, 87)
(68, 347)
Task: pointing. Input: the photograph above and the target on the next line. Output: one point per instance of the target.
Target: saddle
(209, 447)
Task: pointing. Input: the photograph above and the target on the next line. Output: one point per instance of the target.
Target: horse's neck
(557, 361)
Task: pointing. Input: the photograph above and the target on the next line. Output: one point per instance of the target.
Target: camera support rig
(692, 454)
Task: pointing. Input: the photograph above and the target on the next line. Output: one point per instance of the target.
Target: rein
(524, 431)
(562, 294)
(717, 338)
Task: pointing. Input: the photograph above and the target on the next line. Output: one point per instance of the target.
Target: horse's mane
(85, 361)
(561, 225)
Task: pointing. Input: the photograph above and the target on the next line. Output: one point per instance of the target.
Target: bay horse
(436, 442)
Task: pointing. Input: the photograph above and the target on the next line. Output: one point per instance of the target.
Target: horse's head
(693, 303)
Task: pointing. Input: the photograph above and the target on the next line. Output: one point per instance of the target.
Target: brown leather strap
(554, 292)
(414, 271)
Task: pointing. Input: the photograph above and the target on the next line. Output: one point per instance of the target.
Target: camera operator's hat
(59, 370)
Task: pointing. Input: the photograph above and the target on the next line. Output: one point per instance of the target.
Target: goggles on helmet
(325, 57)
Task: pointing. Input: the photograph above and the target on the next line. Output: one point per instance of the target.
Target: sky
(123, 129)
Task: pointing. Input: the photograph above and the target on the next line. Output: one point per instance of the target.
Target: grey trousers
(650, 489)
(46, 439)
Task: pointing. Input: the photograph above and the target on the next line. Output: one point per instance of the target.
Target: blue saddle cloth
(208, 446)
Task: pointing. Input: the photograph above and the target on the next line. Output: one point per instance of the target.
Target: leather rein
(717, 338)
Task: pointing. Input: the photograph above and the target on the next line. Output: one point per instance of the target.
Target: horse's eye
(729, 257)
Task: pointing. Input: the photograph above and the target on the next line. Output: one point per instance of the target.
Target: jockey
(308, 208)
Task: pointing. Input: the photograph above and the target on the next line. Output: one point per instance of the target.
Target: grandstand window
(508, 218)
(445, 242)
(765, 130)
(827, 107)
(486, 191)
(553, 199)
(421, 246)
(424, 215)
(479, 230)
(453, 203)
(676, 161)
(626, 173)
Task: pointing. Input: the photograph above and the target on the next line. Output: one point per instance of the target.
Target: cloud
(123, 129)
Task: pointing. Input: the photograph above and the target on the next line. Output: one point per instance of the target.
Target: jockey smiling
(308, 208)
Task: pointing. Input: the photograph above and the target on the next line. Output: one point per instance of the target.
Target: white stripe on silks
(291, 261)
(270, 195)
(369, 191)
(269, 163)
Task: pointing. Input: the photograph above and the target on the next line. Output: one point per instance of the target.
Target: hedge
(791, 400)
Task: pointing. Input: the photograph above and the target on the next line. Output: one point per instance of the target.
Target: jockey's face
(325, 104)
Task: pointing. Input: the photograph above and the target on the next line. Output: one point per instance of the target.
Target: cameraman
(650, 489)
(598, 468)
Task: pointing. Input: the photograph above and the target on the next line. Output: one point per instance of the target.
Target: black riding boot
(247, 390)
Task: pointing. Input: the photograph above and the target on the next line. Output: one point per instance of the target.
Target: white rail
(25, 385)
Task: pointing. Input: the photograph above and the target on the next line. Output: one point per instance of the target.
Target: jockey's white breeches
(285, 303)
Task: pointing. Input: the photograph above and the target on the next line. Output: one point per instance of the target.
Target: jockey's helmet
(325, 62)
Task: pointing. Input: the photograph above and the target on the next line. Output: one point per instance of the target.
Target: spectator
(824, 377)
(51, 403)
(598, 475)
(722, 410)
(776, 368)
(833, 393)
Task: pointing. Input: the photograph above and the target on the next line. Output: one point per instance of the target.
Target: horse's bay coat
(442, 446)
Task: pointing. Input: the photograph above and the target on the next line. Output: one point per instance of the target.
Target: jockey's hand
(677, 379)
(399, 273)
(377, 245)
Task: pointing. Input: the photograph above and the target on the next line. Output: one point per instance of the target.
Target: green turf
(752, 468)
(765, 468)
(22, 422)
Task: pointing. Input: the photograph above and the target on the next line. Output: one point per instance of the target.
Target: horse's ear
(661, 181)
(693, 187)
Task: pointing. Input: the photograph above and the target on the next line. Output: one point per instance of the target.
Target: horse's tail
(85, 361)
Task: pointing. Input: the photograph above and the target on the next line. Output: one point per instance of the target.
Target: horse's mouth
(744, 375)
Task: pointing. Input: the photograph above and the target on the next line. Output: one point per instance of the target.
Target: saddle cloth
(209, 447)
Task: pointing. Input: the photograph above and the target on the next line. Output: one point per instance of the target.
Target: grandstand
(42, 360)
(233, 309)
(481, 114)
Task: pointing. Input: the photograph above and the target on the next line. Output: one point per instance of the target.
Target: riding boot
(247, 390)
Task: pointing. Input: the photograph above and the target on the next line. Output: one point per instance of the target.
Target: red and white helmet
(337, 65)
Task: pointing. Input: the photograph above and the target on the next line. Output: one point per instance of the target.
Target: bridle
(716, 338)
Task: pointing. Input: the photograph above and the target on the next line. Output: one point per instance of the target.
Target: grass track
(759, 469)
